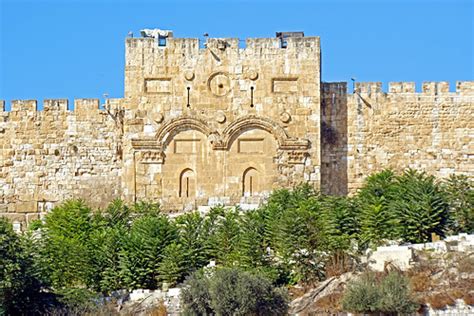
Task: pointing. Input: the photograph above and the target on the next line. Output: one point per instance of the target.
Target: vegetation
(297, 236)
(231, 291)
(388, 294)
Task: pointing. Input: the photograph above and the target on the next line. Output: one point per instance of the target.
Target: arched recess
(250, 182)
(250, 122)
(187, 184)
(175, 126)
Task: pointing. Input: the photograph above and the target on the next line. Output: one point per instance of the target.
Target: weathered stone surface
(226, 125)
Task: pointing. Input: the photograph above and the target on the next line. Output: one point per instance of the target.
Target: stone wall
(431, 131)
(50, 155)
(226, 124)
(334, 138)
(220, 124)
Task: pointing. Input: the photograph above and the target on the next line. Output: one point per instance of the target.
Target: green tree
(377, 220)
(64, 245)
(173, 265)
(460, 195)
(19, 285)
(421, 207)
(143, 248)
(194, 240)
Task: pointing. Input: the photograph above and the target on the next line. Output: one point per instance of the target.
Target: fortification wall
(334, 138)
(219, 115)
(50, 155)
(432, 130)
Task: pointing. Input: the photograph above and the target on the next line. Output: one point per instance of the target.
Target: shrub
(421, 207)
(460, 196)
(143, 250)
(19, 285)
(232, 292)
(195, 295)
(64, 245)
(388, 294)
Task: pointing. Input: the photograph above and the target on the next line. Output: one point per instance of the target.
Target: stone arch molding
(218, 141)
(249, 122)
(171, 128)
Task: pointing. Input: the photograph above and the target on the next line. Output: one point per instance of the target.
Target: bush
(143, 250)
(232, 292)
(460, 195)
(387, 294)
(19, 287)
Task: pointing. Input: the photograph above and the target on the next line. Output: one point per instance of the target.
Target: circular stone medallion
(220, 117)
(189, 75)
(285, 117)
(219, 84)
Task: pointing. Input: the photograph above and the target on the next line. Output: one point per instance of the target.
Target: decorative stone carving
(159, 118)
(189, 75)
(152, 156)
(252, 121)
(220, 117)
(252, 74)
(285, 117)
(296, 157)
(219, 84)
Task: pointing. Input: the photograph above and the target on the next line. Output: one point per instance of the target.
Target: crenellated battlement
(81, 106)
(226, 120)
(427, 88)
(192, 45)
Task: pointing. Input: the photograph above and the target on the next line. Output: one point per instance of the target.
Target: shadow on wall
(334, 138)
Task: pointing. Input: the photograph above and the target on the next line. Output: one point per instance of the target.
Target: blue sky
(75, 49)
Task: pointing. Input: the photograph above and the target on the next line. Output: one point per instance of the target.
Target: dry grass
(468, 298)
(439, 300)
(296, 292)
(466, 264)
(338, 264)
(159, 310)
(456, 293)
(330, 303)
(420, 282)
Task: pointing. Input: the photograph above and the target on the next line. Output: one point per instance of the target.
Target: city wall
(54, 154)
(220, 124)
(223, 124)
(431, 130)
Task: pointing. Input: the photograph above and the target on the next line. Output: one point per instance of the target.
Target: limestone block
(400, 256)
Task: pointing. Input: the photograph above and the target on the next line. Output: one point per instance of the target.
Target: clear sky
(75, 49)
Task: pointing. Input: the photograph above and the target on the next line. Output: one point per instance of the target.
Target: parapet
(338, 88)
(401, 87)
(55, 105)
(466, 87)
(428, 88)
(81, 106)
(368, 87)
(191, 45)
(435, 87)
(24, 105)
(86, 106)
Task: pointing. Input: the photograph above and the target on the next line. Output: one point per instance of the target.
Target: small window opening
(187, 183)
(161, 41)
(189, 89)
(251, 96)
(250, 182)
